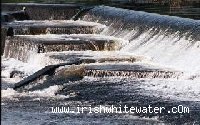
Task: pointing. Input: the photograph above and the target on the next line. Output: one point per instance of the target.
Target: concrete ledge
(88, 57)
(72, 71)
(34, 27)
(23, 46)
(130, 70)
(134, 70)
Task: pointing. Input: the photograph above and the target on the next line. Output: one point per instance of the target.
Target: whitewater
(130, 57)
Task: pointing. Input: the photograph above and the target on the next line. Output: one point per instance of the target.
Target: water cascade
(108, 56)
(22, 47)
(168, 40)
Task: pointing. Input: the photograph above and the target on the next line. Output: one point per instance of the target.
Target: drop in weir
(35, 27)
(61, 42)
(21, 47)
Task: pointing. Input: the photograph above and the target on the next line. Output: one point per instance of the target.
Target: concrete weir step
(135, 70)
(21, 47)
(65, 72)
(36, 27)
(52, 58)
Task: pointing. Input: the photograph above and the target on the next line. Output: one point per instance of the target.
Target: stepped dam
(76, 55)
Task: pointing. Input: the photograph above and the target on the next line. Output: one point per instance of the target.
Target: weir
(165, 40)
(34, 27)
(130, 70)
(136, 59)
(169, 40)
(22, 46)
(121, 20)
(88, 57)
(58, 75)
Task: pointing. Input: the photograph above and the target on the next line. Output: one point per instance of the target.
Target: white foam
(50, 92)
(56, 22)
(11, 64)
(170, 51)
(182, 90)
(8, 93)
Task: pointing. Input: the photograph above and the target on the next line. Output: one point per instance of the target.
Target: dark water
(94, 92)
(188, 9)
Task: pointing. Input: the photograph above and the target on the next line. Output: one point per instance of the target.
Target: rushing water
(169, 40)
(156, 63)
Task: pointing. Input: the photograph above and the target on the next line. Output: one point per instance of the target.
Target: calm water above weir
(186, 9)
